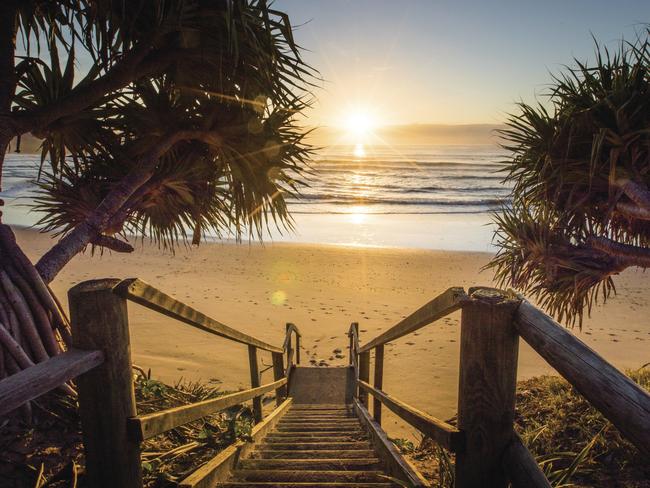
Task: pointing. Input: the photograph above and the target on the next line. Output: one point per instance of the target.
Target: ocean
(405, 180)
(425, 196)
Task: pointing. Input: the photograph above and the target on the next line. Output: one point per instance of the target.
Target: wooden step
(347, 464)
(318, 428)
(366, 476)
(327, 446)
(300, 421)
(338, 436)
(272, 443)
(326, 413)
(313, 484)
(314, 417)
(313, 407)
(319, 433)
(264, 452)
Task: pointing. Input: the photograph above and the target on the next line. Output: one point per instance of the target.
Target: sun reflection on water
(359, 151)
(358, 214)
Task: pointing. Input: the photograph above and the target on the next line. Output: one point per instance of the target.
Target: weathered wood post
(379, 380)
(364, 375)
(289, 347)
(297, 343)
(488, 378)
(278, 374)
(255, 382)
(106, 398)
(354, 326)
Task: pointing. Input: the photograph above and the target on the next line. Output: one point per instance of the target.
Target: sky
(446, 62)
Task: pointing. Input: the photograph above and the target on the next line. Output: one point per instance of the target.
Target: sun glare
(358, 125)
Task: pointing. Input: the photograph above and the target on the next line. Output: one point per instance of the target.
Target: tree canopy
(186, 118)
(158, 118)
(580, 170)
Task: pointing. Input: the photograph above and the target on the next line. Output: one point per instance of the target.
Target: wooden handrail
(616, 396)
(441, 432)
(41, 378)
(444, 304)
(146, 295)
(150, 425)
(521, 466)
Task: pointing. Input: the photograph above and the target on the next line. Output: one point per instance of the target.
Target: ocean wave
(387, 165)
(310, 199)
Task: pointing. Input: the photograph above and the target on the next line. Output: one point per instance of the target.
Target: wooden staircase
(313, 446)
(321, 432)
(320, 437)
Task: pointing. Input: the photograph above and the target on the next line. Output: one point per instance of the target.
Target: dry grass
(575, 445)
(552, 418)
(48, 451)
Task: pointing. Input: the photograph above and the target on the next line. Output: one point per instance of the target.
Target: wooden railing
(33, 382)
(488, 451)
(101, 361)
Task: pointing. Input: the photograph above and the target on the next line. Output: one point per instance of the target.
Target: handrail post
(355, 327)
(255, 382)
(364, 375)
(278, 373)
(289, 346)
(379, 379)
(487, 384)
(297, 349)
(106, 397)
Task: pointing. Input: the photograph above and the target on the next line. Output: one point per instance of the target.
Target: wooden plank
(354, 347)
(379, 379)
(106, 398)
(444, 304)
(41, 378)
(615, 395)
(487, 384)
(395, 463)
(145, 427)
(521, 467)
(278, 374)
(146, 295)
(364, 375)
(289, 370)
(441, 432)
(297, 350)
(351, 336)
(219, 468)
(254, 367)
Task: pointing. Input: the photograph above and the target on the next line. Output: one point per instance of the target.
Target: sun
(359, 124)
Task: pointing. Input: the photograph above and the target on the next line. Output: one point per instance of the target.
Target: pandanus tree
(580, 170)
(159, 118)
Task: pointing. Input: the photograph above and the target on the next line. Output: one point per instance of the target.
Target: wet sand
(322, 289)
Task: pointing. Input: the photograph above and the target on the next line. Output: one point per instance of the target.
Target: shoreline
(257, 288)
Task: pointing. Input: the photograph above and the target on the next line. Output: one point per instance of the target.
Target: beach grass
(572, 442)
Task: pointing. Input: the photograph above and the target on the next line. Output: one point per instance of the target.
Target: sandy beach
(322, 289)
